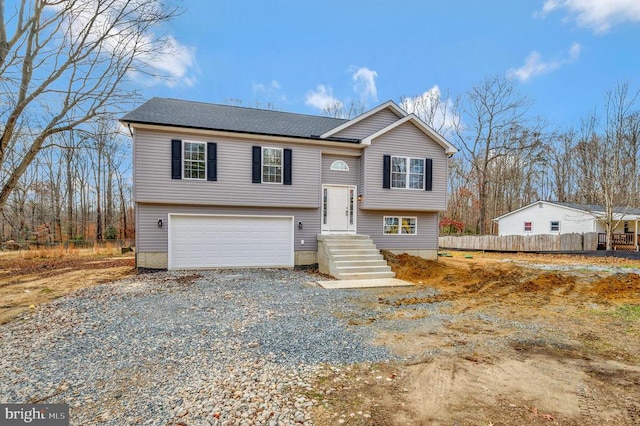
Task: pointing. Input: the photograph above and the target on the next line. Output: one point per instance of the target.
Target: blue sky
(297, 55)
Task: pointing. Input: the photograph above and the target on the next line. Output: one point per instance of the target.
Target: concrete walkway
(369, 283)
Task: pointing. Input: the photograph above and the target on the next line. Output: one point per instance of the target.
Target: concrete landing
(370, 283)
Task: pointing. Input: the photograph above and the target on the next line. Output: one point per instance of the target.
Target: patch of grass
(46, 290)
(627, 312)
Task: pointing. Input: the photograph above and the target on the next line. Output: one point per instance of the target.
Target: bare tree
(432, 109)
(339, 110)
(492, 125)
(615, 171)
(64, 62)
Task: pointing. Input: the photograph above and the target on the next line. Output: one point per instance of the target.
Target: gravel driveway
(213, 347)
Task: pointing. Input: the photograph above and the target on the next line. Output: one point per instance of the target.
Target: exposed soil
(27, 280)
(527, 341)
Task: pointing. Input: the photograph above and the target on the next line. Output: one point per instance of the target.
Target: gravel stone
(198, 348)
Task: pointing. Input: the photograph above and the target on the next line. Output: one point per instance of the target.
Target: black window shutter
(386, 171)
(212, 161)
(176, 159)
(287, 167)
(428, 174)
(257, 165)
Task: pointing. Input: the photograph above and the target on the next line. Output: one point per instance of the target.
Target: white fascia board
(389, 104)
(448, 148)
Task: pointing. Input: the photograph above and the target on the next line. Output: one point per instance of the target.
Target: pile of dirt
(619, 286)
(414, 268)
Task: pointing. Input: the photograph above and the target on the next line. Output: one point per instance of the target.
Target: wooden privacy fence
(564, 242)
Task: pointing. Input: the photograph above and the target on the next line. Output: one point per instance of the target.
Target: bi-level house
(225, 186)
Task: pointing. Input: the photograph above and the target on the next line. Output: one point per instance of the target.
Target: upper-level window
(407, 172)
(272, 165)
(528, 227)
(555, 226)
(339, 165)
(194, 163)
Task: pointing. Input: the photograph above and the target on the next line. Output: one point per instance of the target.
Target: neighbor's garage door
(229, 241)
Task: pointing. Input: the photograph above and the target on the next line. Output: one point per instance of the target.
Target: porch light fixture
(299, 225)
(159, 223)
(360, 197)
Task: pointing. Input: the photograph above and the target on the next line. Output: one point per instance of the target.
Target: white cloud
(534, 65)
(598, 15)
(271, 90)
(432, 109)
(322, 98)
(157, 59)
(365, 84)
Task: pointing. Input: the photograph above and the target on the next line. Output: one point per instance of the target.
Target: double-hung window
(528, 227)
(272, 165)
(194, 160)
(555, 226)
(407, 172)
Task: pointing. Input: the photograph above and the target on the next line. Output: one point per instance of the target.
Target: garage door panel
(230, 241)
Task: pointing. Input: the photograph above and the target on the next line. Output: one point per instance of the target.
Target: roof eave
(236, 133)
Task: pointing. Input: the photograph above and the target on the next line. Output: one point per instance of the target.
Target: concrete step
(354, 269)
(346, 237)
(355, 257)
(359, 262)
(364, 275)
(353, 252)
(351, 245)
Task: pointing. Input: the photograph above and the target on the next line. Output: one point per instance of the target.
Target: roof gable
(348, 123)
(421, 125)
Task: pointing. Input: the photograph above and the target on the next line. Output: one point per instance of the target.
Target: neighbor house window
(555, 226)
(400, 225)
(272, 165)
(194, 164)
(407, 173)
(527, 227)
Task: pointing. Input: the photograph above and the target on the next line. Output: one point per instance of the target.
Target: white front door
(338, 213)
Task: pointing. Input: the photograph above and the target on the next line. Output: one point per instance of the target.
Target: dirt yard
(515, 339)
(523, 340)
(30, 278)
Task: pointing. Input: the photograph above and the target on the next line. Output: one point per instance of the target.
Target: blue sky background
(564, 54)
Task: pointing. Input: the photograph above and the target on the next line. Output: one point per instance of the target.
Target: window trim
(263, 165)
(408, 173)
(530, 227)
(184, 160)
(551, 226)
(400, 219)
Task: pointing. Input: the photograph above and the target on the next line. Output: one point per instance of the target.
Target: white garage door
(197, 241)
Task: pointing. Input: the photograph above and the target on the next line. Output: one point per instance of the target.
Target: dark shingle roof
(198, 115)
(595, 207)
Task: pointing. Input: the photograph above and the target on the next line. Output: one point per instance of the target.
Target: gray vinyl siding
(369, 125)
(153, 183)
(150, 238)
(371, 223)
(338, 177)
(406, 141)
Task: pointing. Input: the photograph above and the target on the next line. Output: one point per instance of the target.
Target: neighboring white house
(551, 217)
